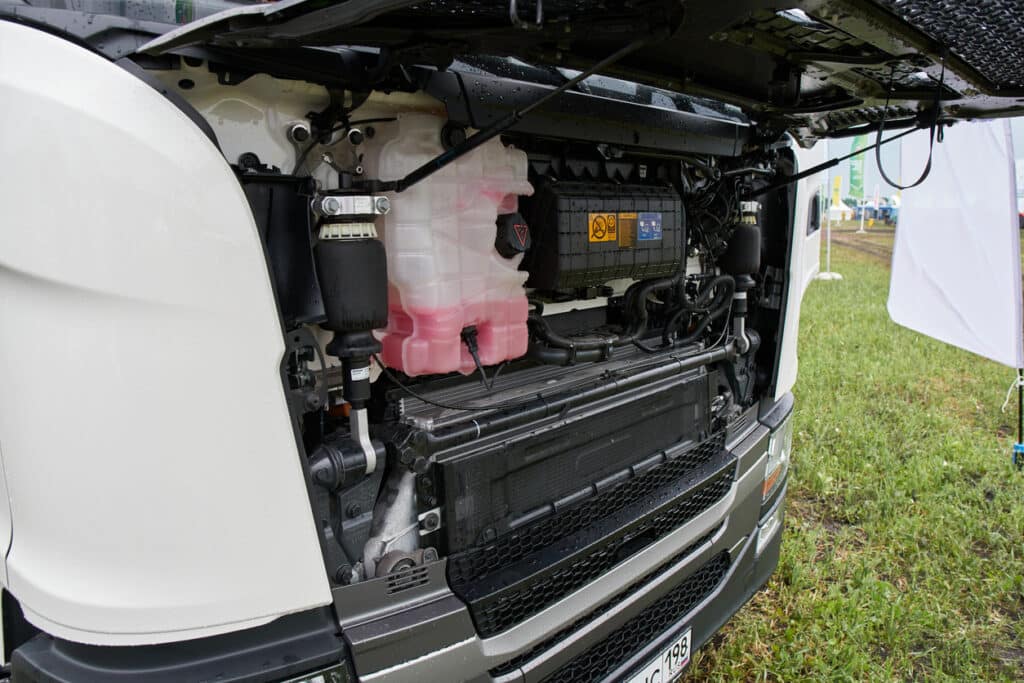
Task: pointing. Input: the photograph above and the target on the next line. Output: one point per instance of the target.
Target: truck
(420, 340)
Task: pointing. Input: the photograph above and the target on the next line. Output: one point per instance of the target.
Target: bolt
(330, 205)
(430, 555)
(299, 131)
(356, 137)
(431, 522)
(353, 510)
(382, 204)
(358, 170)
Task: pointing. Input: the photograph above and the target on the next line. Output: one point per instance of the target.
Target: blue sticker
(649, 226)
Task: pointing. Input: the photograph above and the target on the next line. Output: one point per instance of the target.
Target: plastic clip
(572, 355)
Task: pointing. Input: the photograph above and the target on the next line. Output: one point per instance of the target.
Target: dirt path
(877, 244)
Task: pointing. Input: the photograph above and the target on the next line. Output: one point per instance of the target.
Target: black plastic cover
(512, 236)
(585, 234)
(280, 206)
(287, 647)
(551, 464)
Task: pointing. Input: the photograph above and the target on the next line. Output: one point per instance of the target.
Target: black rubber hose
(550, 355)
(723, 288)
(636, 299)
(559, 341)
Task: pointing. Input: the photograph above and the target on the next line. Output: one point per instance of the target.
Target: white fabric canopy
(956, 273)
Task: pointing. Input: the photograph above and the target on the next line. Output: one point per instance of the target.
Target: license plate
(669, 665)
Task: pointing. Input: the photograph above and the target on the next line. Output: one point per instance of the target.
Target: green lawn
(903, 555)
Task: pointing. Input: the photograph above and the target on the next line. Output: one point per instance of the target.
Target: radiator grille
(520, 574)
(546, 644)
(479, 561)
(642, 629)
(513, 607)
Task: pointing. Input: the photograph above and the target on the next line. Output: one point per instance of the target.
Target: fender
(153, 483)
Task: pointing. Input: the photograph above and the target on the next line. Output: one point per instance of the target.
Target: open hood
(814, 67)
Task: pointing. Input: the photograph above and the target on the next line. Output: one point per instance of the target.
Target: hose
(714, 299)
(558, 349)
(553, 348)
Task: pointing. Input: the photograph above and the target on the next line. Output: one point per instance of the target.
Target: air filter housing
(585, 234)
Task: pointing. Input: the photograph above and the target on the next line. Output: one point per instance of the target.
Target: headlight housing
(779, 446)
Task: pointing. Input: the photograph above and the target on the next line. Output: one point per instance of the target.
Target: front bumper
(695, 577)
(704, 571)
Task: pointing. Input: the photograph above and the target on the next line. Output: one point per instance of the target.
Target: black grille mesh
(984, 33)
(636, 633)
(511, 608)
(477, 562)
(518, 661)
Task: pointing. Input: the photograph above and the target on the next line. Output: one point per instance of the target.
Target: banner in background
(857, 167)
(956, 271)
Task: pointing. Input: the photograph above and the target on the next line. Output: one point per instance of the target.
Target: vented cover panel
(645, 627)
(987, 34)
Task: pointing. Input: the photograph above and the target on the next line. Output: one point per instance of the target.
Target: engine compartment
(522, 367)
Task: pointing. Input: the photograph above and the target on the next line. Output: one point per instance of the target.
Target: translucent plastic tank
(443, 270)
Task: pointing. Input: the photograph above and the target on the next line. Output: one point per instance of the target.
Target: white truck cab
(417, 341)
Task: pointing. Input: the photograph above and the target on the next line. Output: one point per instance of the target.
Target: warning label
(627, 230)
(602, 227)
(650, 226)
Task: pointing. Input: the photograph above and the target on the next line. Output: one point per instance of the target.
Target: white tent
(840, 213)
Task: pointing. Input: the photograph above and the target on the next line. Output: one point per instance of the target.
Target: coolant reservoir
(444, 273)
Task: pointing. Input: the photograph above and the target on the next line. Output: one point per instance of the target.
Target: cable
(450, 406)
(469, 338)
(931, 130)
(711, 306)
(302, 157)
(789, 180)
(725, 327)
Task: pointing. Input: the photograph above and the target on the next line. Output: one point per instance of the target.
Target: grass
(903, 554)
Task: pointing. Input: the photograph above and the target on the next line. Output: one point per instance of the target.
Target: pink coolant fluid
(443, 270)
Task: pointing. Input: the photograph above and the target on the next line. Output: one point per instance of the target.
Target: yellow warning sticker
(602, 227)
(627, 230)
